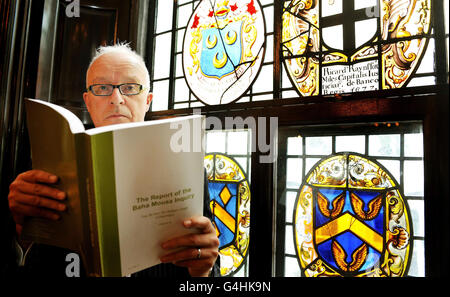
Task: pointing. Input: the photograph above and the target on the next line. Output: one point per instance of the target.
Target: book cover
(129, 186)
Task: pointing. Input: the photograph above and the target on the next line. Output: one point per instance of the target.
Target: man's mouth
(116, 116)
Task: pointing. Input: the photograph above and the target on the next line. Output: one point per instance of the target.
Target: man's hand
(206, 241)
(30, 194)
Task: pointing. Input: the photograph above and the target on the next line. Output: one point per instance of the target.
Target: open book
(129, 186)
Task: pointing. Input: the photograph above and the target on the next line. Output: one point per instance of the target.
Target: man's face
(116, 69)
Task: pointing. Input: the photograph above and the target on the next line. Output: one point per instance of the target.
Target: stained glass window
(227, 166)
(327, 47)
(223, 49)
(178, 45)
(353, 202)
(332, 46)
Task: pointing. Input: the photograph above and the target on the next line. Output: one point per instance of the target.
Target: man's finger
(38, 176)
(38, 201)
(33, 211)
(186, 255)
(201, 223)
(39, 190)
(189, 240)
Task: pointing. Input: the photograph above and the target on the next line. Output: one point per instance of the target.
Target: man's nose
(116, 97)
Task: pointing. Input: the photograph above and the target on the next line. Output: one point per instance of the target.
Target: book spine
(102, 152)
(90, 251)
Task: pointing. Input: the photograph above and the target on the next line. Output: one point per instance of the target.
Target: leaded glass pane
(364, 3)
(178, 66)
(285, 82)
(318, 145)
(179, 2)
(422, 81)
(413, 145)
(269, 49)
(417, 215)
(181, 105)
(331, 7)
(264, 82)
(164, 16)
(268, 12)
(392, 166)
(265, 2)
(289, 94)
(262, 97)
(363, 29)
(291, 268)
(294, 146)
(413, 178)
(244, 99)
(384, 145)
(162, 55)
(427, 64)
(418, 259)
(196, 104)
(180, 35)
(293, 172)
(181, 90)
(310, 162)
(160, 95)
(238, 137)
(243, 162)
(215, 141)
(184, 13)
(290, 202)
(354, 143)
(334, 37)
(289, 242)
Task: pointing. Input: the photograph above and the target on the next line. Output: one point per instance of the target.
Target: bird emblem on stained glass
(336, 46)
(223, 49)
(229, 193)
(351, 220)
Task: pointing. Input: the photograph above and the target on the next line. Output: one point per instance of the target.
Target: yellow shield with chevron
(229, 194)
(351, 220)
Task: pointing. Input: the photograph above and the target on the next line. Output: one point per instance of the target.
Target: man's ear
(149, 100)
(86, 100)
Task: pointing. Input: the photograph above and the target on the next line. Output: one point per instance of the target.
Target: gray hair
(124, 49)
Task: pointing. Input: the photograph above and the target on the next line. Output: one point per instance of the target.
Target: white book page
(156, 190)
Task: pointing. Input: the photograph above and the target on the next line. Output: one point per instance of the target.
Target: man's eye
(103, 88)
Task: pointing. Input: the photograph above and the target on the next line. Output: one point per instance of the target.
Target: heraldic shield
(221, 51)
(229, 194)
(351, 220)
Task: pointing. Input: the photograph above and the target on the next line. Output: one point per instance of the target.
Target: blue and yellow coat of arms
(351, 220)
(229, 194)
(223, 49)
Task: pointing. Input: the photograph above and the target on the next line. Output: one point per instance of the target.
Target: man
(117, 83)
